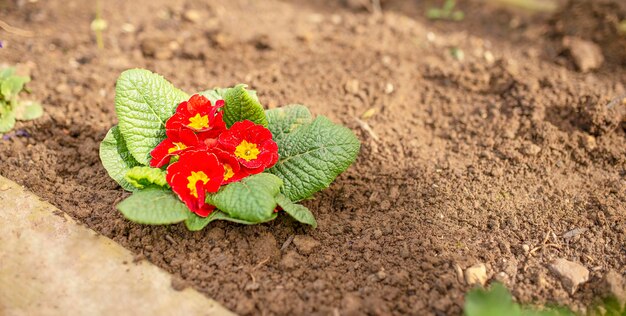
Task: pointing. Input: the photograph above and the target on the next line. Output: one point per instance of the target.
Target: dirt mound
(597, 21)
(497, 155)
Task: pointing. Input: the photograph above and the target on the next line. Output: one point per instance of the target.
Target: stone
(192, 16)
(290, 260)
(351, 305)
(305, 244)
(531, 149)
(476, 274)
(86, 273)
(157, 47)
(572, 274)
(614, 285)
(586, 55)
(352, 86)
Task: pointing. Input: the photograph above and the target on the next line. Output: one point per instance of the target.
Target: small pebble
(352, 86)
(476, 274)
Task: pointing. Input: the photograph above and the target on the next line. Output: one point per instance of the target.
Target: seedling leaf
(28, 110)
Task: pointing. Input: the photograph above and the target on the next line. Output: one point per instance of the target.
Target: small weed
(497, 301)
(446, 12)
(98, 25)
(12, 108)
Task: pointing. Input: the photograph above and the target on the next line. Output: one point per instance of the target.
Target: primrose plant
(217, 154)
(12, 107)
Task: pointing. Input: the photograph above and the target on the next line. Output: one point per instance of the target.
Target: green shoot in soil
(98, 25)
(12, 108)
(497, 301)
(446, 12)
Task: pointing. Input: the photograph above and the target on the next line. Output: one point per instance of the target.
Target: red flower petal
(197, 114)
(233, 171)
(252, 145)
(194, 174)
(182, 140)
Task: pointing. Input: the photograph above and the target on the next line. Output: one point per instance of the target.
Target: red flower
(183, 140)
(198, 115)
(196, 124)
(251, 144)
(192, 176)
(232, 170)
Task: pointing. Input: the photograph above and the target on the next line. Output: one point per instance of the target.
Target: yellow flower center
(228, 172)
(247, 151)
(199, 122)
(177, 146)
(193, 179)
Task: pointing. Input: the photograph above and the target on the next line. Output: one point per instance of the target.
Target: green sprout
(12, 108)
(497, 301)
(446, 12)
(98, 25)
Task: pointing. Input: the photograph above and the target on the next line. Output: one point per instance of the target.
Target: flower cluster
(205, 154)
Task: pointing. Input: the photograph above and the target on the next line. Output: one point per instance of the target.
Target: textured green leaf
(141, 177)
(143, 102)
(297, 211)
(241, 105)
(196, 223)
(154, 206)
(251, 199)
(12, 85)
(218, 94)
(28, 110)
(225, 217)
(116, 158)
(7, 121)
(284, 120)
(312, 156)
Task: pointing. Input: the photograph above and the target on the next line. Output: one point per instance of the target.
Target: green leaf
(28, 110)
(225, 217)
(251, 199)
(196, 223)
(218, 94)
(143, 102)
(116, 158)
(7, 121)
(13, 85)
(497, 301)
(142, 176)
(297, 211)
(6, 73)
(154, 206)
(241, 105)
(285, 120)
(312, 156)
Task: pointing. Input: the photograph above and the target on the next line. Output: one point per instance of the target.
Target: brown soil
(475, 160)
